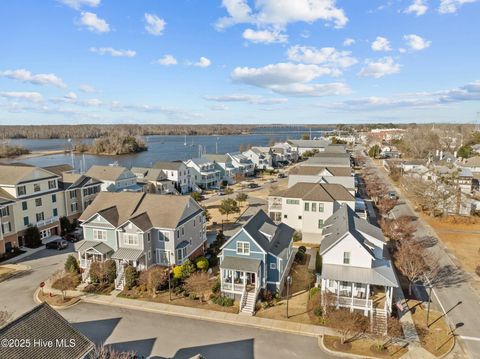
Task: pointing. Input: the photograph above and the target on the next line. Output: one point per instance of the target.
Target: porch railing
(235, 287)
(84, 263)
(354, 302)
(47, 221)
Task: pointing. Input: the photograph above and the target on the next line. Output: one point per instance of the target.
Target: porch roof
(130, 254)
(96, 245)
(381, 275)
(241, 264)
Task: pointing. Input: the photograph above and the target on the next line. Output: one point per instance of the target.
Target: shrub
(318, 263)
(299, 257)
(187, 268)
(66, 282)
(313, 291)
(297, 236)
(198, 285)
(302, 249)
(96, 272)
(131, 276)
(66, 226)
(216, 286)
(71, 265)
(318, 311)
(223, 301)
(202, 263)
(110, 270)
(32, 237)
(177, 272)
(157, 278)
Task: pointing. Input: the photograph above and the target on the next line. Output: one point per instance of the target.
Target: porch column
(338, 292)
(221, 279)
(351, 307)
(367, 297)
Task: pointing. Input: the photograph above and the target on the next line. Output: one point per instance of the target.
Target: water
(161, 148)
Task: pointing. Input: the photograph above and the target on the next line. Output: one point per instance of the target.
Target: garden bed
(103, 289)
(57, 300)
(8, 255)
(363, 347)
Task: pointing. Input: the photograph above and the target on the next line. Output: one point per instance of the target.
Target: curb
(56, 307)
(322, 346)
(217, 317)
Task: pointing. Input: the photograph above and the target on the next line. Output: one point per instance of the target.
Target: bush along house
(258, 257)
(141, 229)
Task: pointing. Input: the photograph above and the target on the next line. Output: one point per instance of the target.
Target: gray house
(258, 256)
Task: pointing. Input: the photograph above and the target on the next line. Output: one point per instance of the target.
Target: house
(258, 256)
(302, 146)
(328, 160)
(472, 163)
(284, 153)
(154, 180)
(224, 164)
(114, 178)
(29, 196)
(43, 320)
(178, 173)
(204, 172)
(262, 157)
(306, 206)
(313, 174)
(356, 270)
(244, 166)
(141, 229)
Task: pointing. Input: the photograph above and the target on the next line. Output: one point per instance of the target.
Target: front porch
(89, 252)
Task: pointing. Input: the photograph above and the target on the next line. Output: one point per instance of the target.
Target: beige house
(154, 180)
(114, 178)
(306, 206)
(313, 174)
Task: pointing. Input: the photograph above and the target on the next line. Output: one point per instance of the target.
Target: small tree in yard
(71, 265)
(196, 196)
(241, 197)
(349, 324)
(207, 214)
(65, 225)
(202, 263)
(228, 206)
(66, 282)
(131, 276)
(374, 151)
(198, 285)
(32, 237)
(157, 277)
(96, 272)
(385, 205)
(228, 190)
(110, 270)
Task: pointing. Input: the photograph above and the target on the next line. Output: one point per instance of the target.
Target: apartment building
(306, 206)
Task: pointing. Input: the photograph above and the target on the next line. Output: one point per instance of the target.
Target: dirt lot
(218, 217)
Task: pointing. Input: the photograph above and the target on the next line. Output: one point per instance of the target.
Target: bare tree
(107, 352)
(198, 284)
(349, 324)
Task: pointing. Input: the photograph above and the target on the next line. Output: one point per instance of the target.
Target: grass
(437, 338)
(218, 217)
(363, 347)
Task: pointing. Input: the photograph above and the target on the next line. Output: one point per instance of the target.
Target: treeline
(97, 131)
(114, 144)
(7, 150)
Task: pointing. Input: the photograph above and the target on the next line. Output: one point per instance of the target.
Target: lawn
(363, 347)
(218, 217)
(438, 338)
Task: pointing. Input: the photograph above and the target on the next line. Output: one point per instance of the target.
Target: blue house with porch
(258, 256)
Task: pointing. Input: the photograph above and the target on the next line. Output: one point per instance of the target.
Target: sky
(239, 61)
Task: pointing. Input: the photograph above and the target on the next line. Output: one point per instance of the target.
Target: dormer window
(21, 190)
(36, 187)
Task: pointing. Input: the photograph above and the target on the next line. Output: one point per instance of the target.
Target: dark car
(252, 185)
(281, 175)
(74, 236)
(57, 244)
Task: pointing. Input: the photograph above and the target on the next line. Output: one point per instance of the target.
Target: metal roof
(380, 275)
(241, 264)
(130, 254)
(96, 245)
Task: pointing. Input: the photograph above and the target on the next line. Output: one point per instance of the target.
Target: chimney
(455, 154)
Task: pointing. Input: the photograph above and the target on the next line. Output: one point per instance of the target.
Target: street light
(289, 282)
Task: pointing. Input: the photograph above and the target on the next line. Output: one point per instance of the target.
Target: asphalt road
(452, 292)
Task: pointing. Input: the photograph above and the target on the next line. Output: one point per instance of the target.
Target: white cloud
(155, 25)
(264, 36)
(468, 92)
(416, 43)
(252, 99)
(38, 79)
(381, 44)
(73, 99)
(23, 96)
(167, 60)
(93, 23)
(291, 79)
(279, 13)
(327, 56)
(219, 107)
(87, 88)
(418, 7)
(348, 42)
(170, 113)
(77, 4)
(452, 6)
(380, 68)
(113, 52)
(203, 62)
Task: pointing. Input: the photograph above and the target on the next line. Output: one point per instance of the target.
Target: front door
(251, 279)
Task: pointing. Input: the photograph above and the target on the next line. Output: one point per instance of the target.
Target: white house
(114, 178)
(302, 146)
(178, 173)
(204, 172)
(261, 157)
(313, 174)
(244, 165)
(156, 179)
(284, 152)
(306, 206)
(356, 272)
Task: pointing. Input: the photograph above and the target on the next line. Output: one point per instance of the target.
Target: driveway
(161, 336)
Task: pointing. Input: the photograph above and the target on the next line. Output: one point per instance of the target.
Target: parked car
(392, 195)
(281, 175)
(74, 236)
(57, 244)
(253, 185)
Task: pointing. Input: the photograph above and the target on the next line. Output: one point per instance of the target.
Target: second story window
(346, 257)
(55, 212)
(243, 248)
(73, 194)
(320, 223)
(54, 198)
(99, 235)
(320, 207)
(26, 221)
(5, 212)
(131, 239)
(38, 202)
(307, 207)
(24, 206)
(314, 207)
(21, 190)
(40, 216)
(52, 184)
(36, 187)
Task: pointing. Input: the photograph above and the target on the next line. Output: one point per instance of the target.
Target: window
(36, 187)
(52, 184)
(74, 207)
(162, 257)
(99, 234)
(5, 212)
(131, 239)
(299, 217)
(183, 231)
(149, 236)
(21, 190)
(307, 207)
(54, 198)
(149, 255)
(178, 233)
(314, 207)
(346, 257)
(24, 206)
(320, 207)
(55, 212)
(73, 194)
(181, 253)
(243, 248)
(38, 202)
(285, 216)
(6, 227)
(26, 221)
(293, 201)
(273, 265)
(40, 216)
(320, 223)
(345, 284)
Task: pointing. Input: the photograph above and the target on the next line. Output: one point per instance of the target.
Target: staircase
(379, 321)
(247, 305)
(119, 281)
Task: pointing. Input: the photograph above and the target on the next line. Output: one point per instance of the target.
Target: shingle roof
(14, 174)
(219, 158)
(471, 162)
(59, 169)
(172, 166)
(310, 143)
(314, 170)
(322, 192)
(328, 154)
(44, 322)
(151, 174)
(327, 161)
(106, 173)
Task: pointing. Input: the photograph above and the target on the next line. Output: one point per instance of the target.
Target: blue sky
(239, 61)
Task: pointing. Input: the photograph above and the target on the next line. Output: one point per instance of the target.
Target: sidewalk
(209, 315)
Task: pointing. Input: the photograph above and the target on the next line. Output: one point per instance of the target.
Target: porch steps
(379, 322)
(119, 281)
(248, 303)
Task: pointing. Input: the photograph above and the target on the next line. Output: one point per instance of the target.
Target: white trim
(234, 250)
(249, 236)
(97, 214)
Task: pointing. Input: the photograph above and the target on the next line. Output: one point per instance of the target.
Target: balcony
(47, 221)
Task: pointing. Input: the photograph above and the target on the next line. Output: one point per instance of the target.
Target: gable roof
(314, 170)
(327, 161)
(322, 192)
(16, 174)
(321, 143)
(150, 174)
(329, 154)
(45, 321)
(106, 173)
(219, 158)
(59, 169)
(171, 166)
